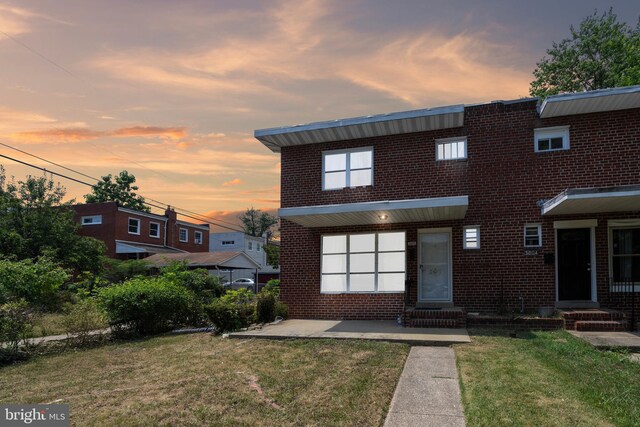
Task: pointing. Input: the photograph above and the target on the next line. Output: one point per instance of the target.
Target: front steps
(447, 317)
(594, 319)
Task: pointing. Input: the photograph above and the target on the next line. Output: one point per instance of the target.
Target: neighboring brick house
(252, 246)
(507, 205)
(131, 234)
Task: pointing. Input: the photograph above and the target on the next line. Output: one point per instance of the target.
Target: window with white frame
(551, 139)
(184, 235)
(368, 262)
(451, 148)
(472, 237)
(197, 237)
(134, 226)
(625, 255)
(154, 229)
(250, 245)
(228, 242)
(347, 168)
(91, 220)
(532, 235)
(258, 247)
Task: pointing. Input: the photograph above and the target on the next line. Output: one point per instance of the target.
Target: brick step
(436, 323)
(435, 314)
(601, 325)
(596, 314)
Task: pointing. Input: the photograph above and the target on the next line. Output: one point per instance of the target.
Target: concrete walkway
(377, 330)
(428, 393)
(608, 340)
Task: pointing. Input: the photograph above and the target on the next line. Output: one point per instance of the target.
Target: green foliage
(281, 310)
(233, 311)
(272, 287)
(265, 308)
(118, 271)
(37, 282)
(16, 322)
(257, 223)
(34, 222)
(273, 255)
(199, 280)
(601, 53)
(149, 305)
(118, 189)
(83, 317)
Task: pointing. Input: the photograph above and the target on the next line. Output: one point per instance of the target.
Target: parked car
(241, 284)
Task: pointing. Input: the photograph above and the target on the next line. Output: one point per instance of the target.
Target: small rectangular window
(258, 247)
(472, 237)
(184, 235)
(250, 245)
(134, 226)
(451, 148)
(347, 168)
(197, 237)
(154, 229)
(551, 139)
(532, 235)
(228, 242)
(92, 220)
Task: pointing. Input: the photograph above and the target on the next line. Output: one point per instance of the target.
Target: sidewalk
(610, 340)
(428, 393)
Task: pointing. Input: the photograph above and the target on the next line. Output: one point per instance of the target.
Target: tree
(273, 255)
(257, 223)
(35, 222)
(601, 53)
(118, 189)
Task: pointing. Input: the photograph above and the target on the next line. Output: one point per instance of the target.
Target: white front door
(434, 269)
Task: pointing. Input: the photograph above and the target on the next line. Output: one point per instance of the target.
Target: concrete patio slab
(376, 330)
(606, 340)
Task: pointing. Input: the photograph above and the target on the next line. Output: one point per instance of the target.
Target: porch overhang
(594, 200)
(594, 101)
(383, 212)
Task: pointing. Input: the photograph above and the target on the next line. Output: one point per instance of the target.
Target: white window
(472, 237)
(92, 220)
(134, 226)
(347, 168)
(371, 262)
(250, 245)
(451, 148)
(228, 242)
(154, 229)
(184, 235)
(197, 237)
(625, 255)
(258, 247)
(532, 235)
(551, 139)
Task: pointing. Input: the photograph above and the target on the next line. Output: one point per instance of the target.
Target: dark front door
(574, 264)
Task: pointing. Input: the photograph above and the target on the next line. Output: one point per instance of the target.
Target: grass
(202, 380)
(48, 324)
(546, 379)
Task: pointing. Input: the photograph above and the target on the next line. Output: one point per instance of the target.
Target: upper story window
(347, 168)
(184, 235)
(91, 220)
(197, 237)
(258, 247)
(154, 229)
(250, 245)
(134, 226)
(551, 139)
(532, 235)
(228, 242)
(451, 148)
(472, 237)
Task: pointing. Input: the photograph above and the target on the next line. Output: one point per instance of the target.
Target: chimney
(171, 229)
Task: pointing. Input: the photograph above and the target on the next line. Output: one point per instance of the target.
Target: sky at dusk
(173, 90)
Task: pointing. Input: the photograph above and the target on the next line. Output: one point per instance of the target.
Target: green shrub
(265, 308)
(281, 310)
(272, 287)
(16, 323)
(118, 271)
(37, 282)
(149, 305)
(199, 280)
(83, 317)
(232, 311)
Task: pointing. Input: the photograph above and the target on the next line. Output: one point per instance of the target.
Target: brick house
(132, 234)
(504, 206)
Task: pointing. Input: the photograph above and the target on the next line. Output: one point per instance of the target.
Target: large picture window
(625, 256)
(347, 168)
(368, 262)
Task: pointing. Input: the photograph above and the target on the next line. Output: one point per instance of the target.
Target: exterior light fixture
(383, 217)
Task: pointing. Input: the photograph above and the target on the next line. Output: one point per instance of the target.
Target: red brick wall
(105, 231)
(503, 177)
(122, 229)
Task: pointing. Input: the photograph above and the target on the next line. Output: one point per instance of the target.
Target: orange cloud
(236, 181)
(85, 134)
(150, 131)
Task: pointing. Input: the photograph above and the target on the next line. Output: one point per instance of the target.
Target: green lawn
(201, 380)
(546, 379)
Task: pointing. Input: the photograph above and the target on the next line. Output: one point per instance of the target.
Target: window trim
(539, 227)
(549, 133)
(443, 141)
(152, 235)
(196, 240)
(376, 252)
(99, 222)
(465, 243)
(613, 285)
(347, 166)
(227, 242)
(139, 226)
(186, 231)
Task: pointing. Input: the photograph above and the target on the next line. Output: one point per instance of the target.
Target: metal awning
(123, 247)
(362, 127)
(594, 101)
(594, 200)
(384, 212)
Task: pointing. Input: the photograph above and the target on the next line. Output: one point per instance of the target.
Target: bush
(118, 271)
(36, 282)
(149, 305)
(232, 311)
(82, 318)
(198, 281)
(272, 287)
(16, 322)
(265, 308)
(281, 310)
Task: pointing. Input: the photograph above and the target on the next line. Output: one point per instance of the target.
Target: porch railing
(625, 295)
